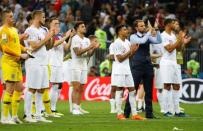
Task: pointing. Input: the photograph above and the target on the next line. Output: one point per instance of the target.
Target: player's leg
(119, 82)
(166, 73)
(159, 87)
(18, 88)
(137, 77)
(140, 98)
(112, 99)
(166, 99)
(39, 95)
(176, 102)
(83, 81)
(76, 97)
(28, 105)
(7, 99)
(70, 97)
(45, 91)
(132, 98)
(3, 92)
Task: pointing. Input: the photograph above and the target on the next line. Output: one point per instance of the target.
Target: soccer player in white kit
(122, 76)
(169, 68)
(37, 71)
(179, 53)
(56, 61)
(81, 48)
(113, 87)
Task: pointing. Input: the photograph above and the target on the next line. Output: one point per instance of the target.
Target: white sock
(176, 101)
(160, 99)
(70, 98)
(144, 105)
(28, 103)
(165, 100)
(76, 107)
(58, 94)
(170, 102)
(119, 102)
(132, 102)
(38, 103)
(113, 104)
(54, 96)
(139, 103)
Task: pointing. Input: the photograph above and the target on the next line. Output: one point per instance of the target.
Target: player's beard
(176, 31)
(41, 23)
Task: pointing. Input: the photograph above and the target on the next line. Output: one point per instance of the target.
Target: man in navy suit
(141, 66)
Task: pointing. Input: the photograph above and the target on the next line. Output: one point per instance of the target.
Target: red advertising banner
(96, 89)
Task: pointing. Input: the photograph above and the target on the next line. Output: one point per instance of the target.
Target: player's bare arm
(122, 57)
(68, 34)
(91, 52)
(133, 49)
(171, 47)
(37, 45)
(111, 57)
(79, 51)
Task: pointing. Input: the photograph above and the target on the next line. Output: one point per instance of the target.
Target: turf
(101, 120)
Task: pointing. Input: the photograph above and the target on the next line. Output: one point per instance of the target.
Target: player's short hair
(78, 23)
(29, 17)
(176, 20)
(119, 27)
(168, 21)
(91, 37)
(136, 22)
(53, 18)
(36, 13)
(4, 12)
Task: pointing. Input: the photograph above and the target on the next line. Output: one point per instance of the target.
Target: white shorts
(157, 76)
(56, 74)
(79, 76)
(122, 80)
(170, 73)
(67, 71)
(37, 77)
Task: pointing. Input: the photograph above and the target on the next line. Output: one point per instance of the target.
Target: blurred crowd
(102, 16)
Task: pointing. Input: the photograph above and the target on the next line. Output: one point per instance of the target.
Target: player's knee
(131, 89)
(167, 86)
(160, 90)
(60, 86)
(41, 91)
(113, 89)
(176, 87)
(9, 90)
(119, 89)
(76, 89)
(32, 90)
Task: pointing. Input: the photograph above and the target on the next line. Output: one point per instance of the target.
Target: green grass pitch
(100, 119)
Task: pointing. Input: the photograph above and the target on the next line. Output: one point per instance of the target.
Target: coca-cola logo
(97, 91)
